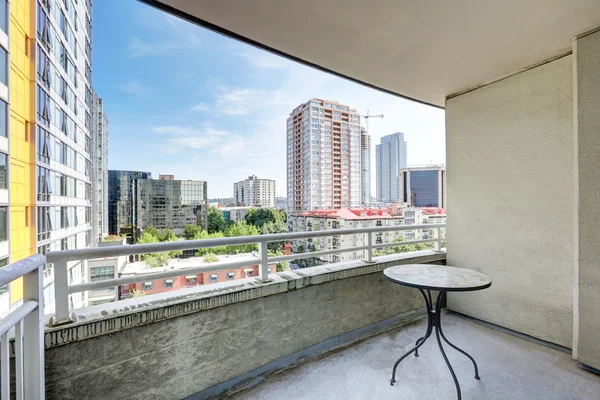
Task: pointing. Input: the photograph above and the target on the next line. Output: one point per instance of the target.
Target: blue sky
(186, 101)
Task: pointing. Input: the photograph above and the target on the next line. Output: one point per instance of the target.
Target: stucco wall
(510, 166)
(587, 127)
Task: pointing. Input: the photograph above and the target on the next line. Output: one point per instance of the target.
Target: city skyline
(234, 101)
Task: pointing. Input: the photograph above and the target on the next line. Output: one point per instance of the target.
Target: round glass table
(443, 279)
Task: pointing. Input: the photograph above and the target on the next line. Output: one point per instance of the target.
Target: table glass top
(438, 277)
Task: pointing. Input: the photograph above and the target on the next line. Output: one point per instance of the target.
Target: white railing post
(264, 261)
(33, 340)
(369, 247)
(61, 293)
(438, 237)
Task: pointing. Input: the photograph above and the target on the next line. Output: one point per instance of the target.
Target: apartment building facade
(365, 167)
(169, 204)
(100, 176)
(423, 186)
(46, 136)
(390, 158)
(319, 220)
(323, 156)
(254, 192)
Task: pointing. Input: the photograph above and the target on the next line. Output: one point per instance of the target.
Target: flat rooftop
(510, 368)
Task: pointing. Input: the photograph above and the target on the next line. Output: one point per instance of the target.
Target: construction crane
(368, 116)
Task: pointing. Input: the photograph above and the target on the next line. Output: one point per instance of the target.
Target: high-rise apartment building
(391, 156)
(120, 201)
(423, 186)
(254, 192)
(365, 167)
(100, 178)
(171, 204)
(60, 91)
(323, 156)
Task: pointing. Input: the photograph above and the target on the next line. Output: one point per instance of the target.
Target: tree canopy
(216, 220)
(260, 216)
(153, 235)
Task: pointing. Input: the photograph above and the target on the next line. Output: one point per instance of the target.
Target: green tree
(205, 235)
(260, 216)
(190, 231)
(282, 265)
(151, 230)
(210, 257)
(274, 227)
(152, 235)
(241, 228)
(216, 220)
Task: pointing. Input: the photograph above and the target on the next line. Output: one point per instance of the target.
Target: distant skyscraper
(100, 171)
(391, 157)
(424, 186)
(120, 201)
(323, 156)
(365, 167)
(255, 192)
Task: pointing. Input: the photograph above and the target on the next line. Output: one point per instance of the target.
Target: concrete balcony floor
(510, 368)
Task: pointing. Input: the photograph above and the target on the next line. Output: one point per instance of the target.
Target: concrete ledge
(113, 317)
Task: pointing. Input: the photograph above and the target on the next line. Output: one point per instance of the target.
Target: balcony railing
(60, 259)
(28, 323)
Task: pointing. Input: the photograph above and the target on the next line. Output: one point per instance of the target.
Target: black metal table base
(434, 321)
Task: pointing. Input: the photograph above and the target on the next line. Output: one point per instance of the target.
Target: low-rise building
(101, 269)
(341, 219)
(281, 203)
(153, 286)
(235, 214)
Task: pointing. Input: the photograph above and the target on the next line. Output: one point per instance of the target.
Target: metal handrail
(28, 323)
(62, 288)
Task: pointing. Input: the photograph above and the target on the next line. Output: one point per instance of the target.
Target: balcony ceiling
(424, 50)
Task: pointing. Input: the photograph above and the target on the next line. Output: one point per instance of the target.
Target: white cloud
(139, 48)
(134, 87)
(185, 137)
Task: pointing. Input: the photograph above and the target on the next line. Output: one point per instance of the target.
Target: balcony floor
(510, 368)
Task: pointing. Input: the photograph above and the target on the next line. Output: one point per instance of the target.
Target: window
(214, 277)
(102, 273)
(3, 66)
(148, 285)
(3, 224)
(3, 13)
(3, 118)
(3, 171)
(189, 279)
(3, 262)
(168, 282)
(249, 271)
(231, 275)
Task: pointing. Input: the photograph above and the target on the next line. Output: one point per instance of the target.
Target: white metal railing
(62, 288)
(28, 323)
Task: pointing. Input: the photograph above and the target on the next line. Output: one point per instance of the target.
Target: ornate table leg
(434, 321)
(438, 320)
(459, 350)
(430, 324)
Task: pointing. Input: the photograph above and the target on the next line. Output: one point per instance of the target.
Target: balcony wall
(510, 154)
(209, 339)
(587, 128)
